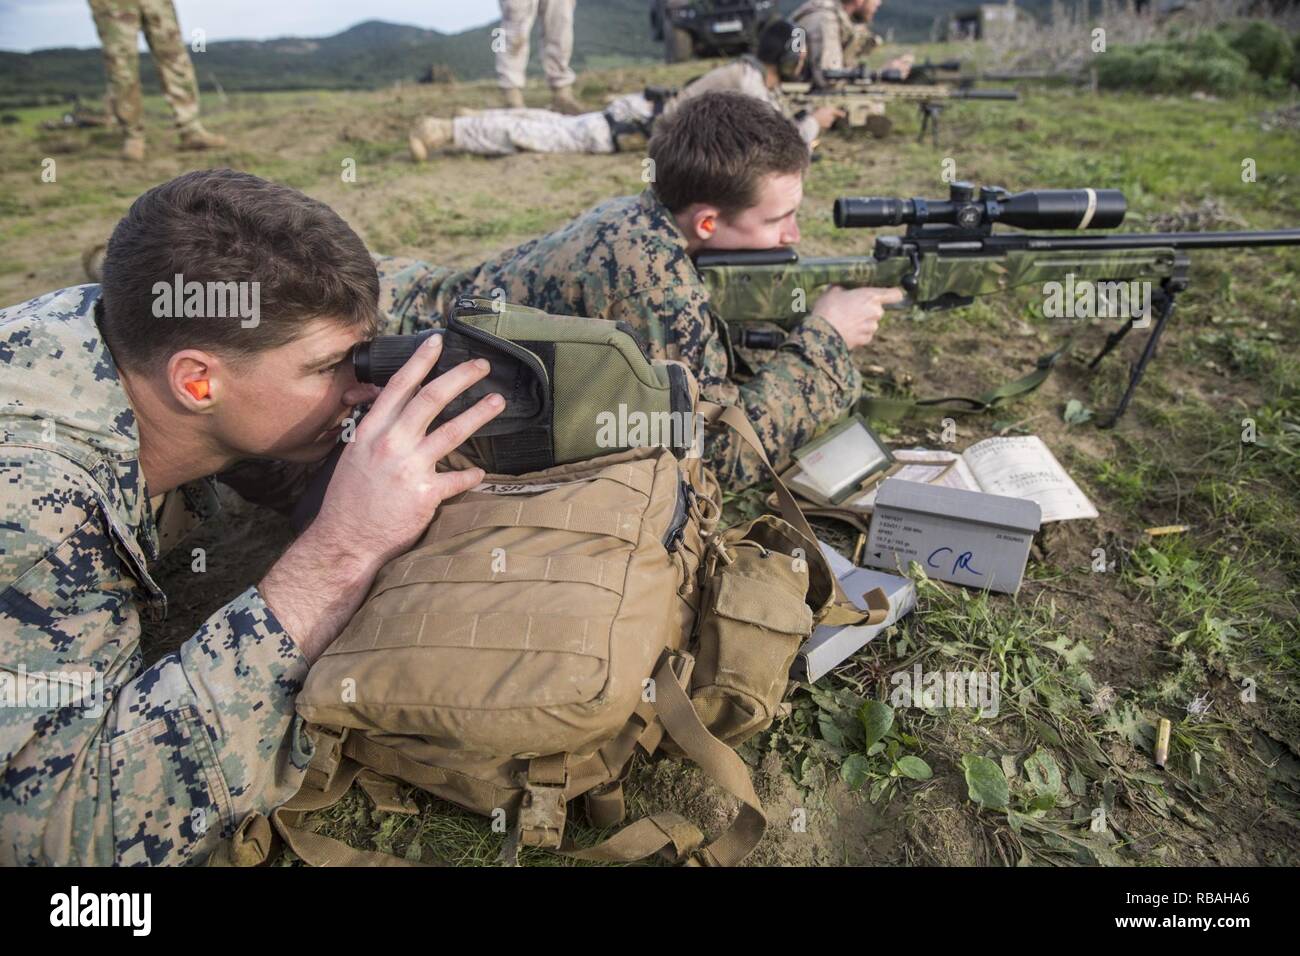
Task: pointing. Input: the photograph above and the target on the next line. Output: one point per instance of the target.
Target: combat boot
(562, 101)
(514, 98)
(92, 260)
(196, 137)
(429, 133)
(133, 148)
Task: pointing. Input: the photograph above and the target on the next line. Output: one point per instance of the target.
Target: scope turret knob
(970, 216)
(961, 192)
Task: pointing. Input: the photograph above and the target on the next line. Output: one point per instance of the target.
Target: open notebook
(1018, 467)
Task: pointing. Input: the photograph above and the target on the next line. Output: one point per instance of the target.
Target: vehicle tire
(679, 45)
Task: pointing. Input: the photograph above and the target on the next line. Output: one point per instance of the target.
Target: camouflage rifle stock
(949, 255)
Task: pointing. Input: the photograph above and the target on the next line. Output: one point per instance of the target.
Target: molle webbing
(531, 513)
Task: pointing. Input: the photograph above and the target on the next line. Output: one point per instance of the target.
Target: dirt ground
(1090, 660)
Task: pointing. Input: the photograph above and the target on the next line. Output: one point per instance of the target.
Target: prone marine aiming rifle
(950, 254)
(862, 94)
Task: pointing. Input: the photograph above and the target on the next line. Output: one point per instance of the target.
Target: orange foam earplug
(198, 388)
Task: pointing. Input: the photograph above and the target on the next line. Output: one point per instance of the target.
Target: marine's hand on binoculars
(386, 488)
(384, 492)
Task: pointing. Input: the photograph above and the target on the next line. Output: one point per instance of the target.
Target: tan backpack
(546, 627)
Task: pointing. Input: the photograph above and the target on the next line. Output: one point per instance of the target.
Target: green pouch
(575, 388)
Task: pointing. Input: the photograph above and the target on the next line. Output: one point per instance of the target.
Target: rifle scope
(1036, 209)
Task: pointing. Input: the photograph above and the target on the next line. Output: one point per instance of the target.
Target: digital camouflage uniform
(833, 38)
(626, 260)
(119, 23)
(133, 765)
(505, 131)
(517, 17)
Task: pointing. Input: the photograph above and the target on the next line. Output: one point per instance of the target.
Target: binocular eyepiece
(376, 361)
(965, 209)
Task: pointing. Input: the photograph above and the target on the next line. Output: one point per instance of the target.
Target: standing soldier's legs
(118, 23)
(176, 72)
(557, 49)
(517, 18)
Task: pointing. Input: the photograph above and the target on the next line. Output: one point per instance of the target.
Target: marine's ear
(703, 220)
(194, 379)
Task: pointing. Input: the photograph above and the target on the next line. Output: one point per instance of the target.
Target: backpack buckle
(327, 759)
(682, 664)
(541, 817)
(543, 810)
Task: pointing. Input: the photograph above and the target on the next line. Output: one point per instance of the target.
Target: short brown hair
(219, 227)
(716, 147)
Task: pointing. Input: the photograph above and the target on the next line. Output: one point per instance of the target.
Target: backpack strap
(330, 774)
(720, 762)
(841, 609)
(670, 834)
(315, 848)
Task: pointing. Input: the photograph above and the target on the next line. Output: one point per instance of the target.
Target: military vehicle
(704, 28)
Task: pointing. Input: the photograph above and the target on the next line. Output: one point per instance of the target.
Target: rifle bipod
(1163, 306)
(930, 112)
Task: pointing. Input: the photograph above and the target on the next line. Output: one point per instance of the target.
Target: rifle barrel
(985, 95)
(1176, 240)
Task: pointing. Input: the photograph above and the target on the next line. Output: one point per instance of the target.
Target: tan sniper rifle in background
(862, 95)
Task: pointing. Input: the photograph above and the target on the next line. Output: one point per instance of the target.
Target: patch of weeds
(1221, 610)
(871, 748)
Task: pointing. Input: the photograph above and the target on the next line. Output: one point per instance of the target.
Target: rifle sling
(896, 409)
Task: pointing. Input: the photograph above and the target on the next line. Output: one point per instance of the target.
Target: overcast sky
(37, 24)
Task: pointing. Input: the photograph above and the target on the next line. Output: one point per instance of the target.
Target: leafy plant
(882, 761)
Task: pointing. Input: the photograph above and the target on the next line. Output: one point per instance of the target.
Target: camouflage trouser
(517, 18)
(119, 23)
(502, 132)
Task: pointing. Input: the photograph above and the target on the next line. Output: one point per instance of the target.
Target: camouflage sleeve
(414, 295)
(102, 762)
(809, 382)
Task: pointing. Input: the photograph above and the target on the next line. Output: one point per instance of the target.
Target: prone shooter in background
(627, 121)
